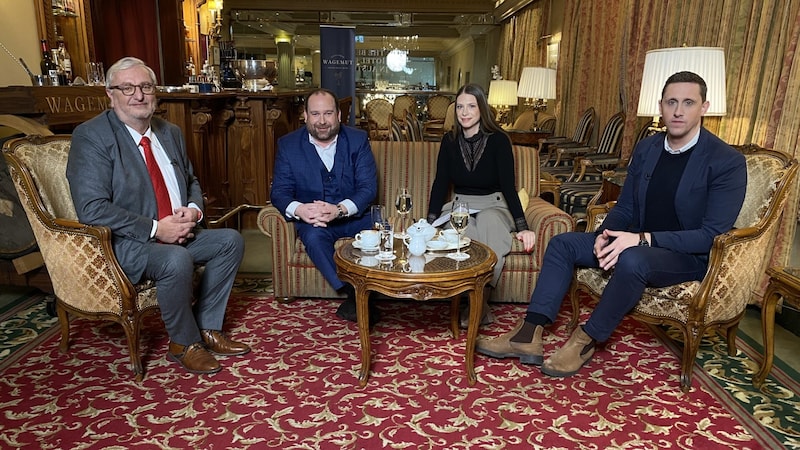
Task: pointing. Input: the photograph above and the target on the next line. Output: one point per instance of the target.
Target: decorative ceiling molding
(440, 25)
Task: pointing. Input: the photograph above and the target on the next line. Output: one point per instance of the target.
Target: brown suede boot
(531, 352)
(502, 347)
(571, 357)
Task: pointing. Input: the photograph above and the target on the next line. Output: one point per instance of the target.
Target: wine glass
(459, 219)
(403, 204)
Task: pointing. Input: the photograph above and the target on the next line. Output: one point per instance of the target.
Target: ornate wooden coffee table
(441, 277)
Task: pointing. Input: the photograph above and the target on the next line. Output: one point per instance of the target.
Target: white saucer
(450, 245)
(357, 245)
(368, 261)
(379, 257)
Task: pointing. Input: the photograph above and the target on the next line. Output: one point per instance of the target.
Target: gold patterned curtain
(529, 51)
(602, 54)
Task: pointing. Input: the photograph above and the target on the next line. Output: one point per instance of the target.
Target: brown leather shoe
(194, 358)
(222, 345)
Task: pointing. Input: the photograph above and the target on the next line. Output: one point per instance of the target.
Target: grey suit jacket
(110, 185)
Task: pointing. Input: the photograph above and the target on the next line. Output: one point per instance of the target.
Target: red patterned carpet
(298, 390)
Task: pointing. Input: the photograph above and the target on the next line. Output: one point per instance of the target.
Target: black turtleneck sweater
(493, 172)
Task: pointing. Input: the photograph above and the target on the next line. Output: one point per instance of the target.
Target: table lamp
(536, 86)
(660, 64)
(502, 95)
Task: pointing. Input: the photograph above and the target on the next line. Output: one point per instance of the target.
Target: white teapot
(417, 237)
(421, 229)
(416, 244)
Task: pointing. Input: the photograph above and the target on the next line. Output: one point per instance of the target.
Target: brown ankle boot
(531, 352)
(502, 347)
(572, 356)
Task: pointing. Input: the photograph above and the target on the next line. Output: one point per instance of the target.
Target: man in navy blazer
(325, 179)
(683, 188)
(111, 185)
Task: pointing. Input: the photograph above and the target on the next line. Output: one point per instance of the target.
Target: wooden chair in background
(379, 118)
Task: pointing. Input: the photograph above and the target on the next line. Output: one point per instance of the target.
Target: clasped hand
(317, 213)
(609, 244)
(178, 227)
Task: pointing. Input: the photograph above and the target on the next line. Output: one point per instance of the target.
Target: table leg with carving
(362, 311)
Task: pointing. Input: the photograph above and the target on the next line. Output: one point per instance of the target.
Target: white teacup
(450, 235)
(368, 238)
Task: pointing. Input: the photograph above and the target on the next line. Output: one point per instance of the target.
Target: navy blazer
(297, 178)
(110, 185)
(708, 200)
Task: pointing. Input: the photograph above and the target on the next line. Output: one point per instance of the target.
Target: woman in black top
(475, 158)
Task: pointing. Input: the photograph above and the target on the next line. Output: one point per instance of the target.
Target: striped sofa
(413, 164)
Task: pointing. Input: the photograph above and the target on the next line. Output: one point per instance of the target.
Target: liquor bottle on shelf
(64, 59)
(58, 7)
(62, 76)
(48, 66)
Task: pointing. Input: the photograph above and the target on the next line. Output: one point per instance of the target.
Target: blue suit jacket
(297, 176)
(110, 185)
(708, 200)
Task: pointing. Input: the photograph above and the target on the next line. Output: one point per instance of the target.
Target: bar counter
(231, 136)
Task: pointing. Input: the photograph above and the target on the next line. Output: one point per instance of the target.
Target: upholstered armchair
(587, 178)
(736, 265)
(609, 144)
(524, 121)
(86, 278)
(581, 136)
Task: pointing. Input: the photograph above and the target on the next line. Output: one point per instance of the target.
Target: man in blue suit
(119, 163)
(683, 188)
(325, 179)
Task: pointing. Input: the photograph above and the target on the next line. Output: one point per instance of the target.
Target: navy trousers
(319, 243)
(636, 268)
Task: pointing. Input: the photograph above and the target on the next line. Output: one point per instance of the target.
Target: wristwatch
(642, 241)
(342, 212)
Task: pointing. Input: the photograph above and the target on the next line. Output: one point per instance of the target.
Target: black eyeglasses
(129, 89)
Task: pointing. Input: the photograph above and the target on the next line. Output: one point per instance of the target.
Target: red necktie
(159, 186)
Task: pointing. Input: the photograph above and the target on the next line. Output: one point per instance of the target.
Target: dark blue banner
(337, 47)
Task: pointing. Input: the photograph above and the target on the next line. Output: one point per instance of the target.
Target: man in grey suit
(325, 180)
(119, 163)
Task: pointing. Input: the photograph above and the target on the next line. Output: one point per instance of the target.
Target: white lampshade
(708, 62)
(502, 93)
(537, 82)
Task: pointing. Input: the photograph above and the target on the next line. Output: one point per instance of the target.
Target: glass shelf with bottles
(65, 8)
